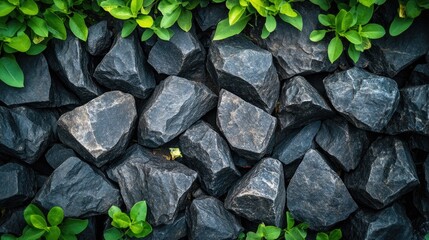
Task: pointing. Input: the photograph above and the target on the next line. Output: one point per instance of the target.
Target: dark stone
(182, 56)
(13, 221)
(412, 114)
(62, 97)
(260, 195)
(101, 129)
(70, 60)
(40, 180)
(209, 220)
(174, 106)
(426, 173)
(248, 129)
(420, 75)
(90, 233)
(26, 133)
(385, 173)
(206, 152)
(79, 189)
(241, 67)
(57, 154)
(176, 230)
(343, 142)
(389, 223)
(366, 100)
(208, 17)
(419, 142)
(99, 38)
(125, 68)
(295, 54)
(317, 195)
(300, 104)
(18, 185)
(421, 201)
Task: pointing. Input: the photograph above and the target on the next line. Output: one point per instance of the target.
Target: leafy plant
(126, 226)
(335, 234)
(408, 10)
(51, 228)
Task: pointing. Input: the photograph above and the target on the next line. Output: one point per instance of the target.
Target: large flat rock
(18, 185)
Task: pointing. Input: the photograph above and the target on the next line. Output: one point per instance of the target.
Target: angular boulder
(239, 66)
(385, 173)
(317, 195)
(260, 195)
(208, 17)
(175, 230)
(125, 68)
(249, 130)
(79, 189)
(420, 75)
(426, 174)
(12, 221)
(18, 185)
(174, 106)
(365, 99)
(57, 154)
(101, 129)
(99, 38)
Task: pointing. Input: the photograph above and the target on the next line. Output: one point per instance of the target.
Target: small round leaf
(55, 216)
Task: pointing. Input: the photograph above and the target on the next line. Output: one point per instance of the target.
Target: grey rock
(420, 75)
(260, 195)
(174, 231)
(317, 195)
(99, 38)
(70, 60)
(412, 114)
(300, 104)
(241, 67)
(206, 152)
(343, 142)
(18, 185)
(385, 173)
(125, 68)
(208, 219)
(389, 223)
(90, 232)
(248, 129)
(182, 56)
(426, 174)
(421, 200)
(79, 189)
(57, 154)
(208, 17)
(419, 142)
(62, 97)
(12, 221)
(174, 106)
(101, 129)
(366, 100)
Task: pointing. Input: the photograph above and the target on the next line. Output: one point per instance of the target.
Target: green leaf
(295, 21)
(148, 33)
(36, 49)
(323, 4)
(326, 20)
(260, 7)
(224, 30)
(122, 220)
(185, 20)
(253, 236)
(38, 222)
(135, 6)
(147, 229)
(168, 20)
(322, 236)
(260, 230)
(343, 20)
(31, 209)
(128, 28)
(68, 237)
(166, 7)
(144, 21)
(7, 237)
(353, 37)
(61, 4)
(29, 7)
(13, 26)
(21, 42)
(78, 26)
(55, 216)
(270, 23)
(364, 14)
(6, 8)
(372, 31)
(122, 13)
(287, 10)
(317, 35)
(367, 3)
(112, 234)
(55, 25)
(412, 9)
(399, 25)
(39, 26)
(290, 221)
(53, 234)
(137, 228)
(31, 233)
(72, 226)
(235, 14)
(138, 211)
(336, 234)
(335, 48)
(353, 53)
(163, 33)
(231, 3)
(112, 210)
(272, 232)
(427, 236)
(265, 32)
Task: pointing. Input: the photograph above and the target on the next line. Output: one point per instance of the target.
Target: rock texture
(208, 153)
(208, 17)
(125, 68)
(239, 66)
(58, 154)
(99, 38)
(260, 195)
(366, 100)
(385, 173)
(175, 230)
(19, 185)
(84, 128)
(79, 189)
(175, 105)
(12, 221)
(420, 75)
(317, 195)
(248, 129)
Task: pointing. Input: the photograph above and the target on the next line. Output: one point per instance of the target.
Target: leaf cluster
(408, 10)
(52, 227)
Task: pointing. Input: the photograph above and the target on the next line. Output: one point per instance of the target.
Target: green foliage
(53, 227)
(127, 226)
(408, 10)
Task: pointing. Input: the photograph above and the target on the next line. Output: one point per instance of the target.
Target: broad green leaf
(112, 234)
(7, 237)
(122, 13)
(147, 3)
(72, 226)
(231, 3)
(148, 33)
(31, 233)
(14, 2)
(78, 26)
(303, 226)
(108, 5)
(339, 20)
(31, 209)
(270, 23)
(169, 20)
(135, 6)
(326, 20)
(335, 48)
(241, 236)
(136, 228)
(343, 21)
(61, 4)
(163, 33)
(317, 35)
(336, 234)
(265, 33)
(322, 236)
(38, 222)
(53, 234)
(55, 216)
(367, 3)
(353, 37)
(323, 4)
(372, 31)
(185, 20)
(260, 7)
(55, 25)
(6, 8)
(243, 3)
(122, 220)
(260, 230)
(68, 237)
(399, 25)
(224, 30)
(128, 28)
(8, 49)
(13, 26)
(138, 211)
(29, 7)
(290, 221)
(287, 10)
(36, 49)
(253, 236)
(12, 75)
(235, 14)
(39, 26)
(112, 210)
(166, 7)
(412, 9)
(20, 43)
(296, 22)
(364, 14)
(423, 4)
(272, 232)
(147, 229)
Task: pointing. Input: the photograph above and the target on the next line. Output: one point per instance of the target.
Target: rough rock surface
(420, 75)
(300, 104)
(125, 68)
(343, 142)
(385, 173)
(241, 67)
(206, 152)
(99, 38)
(317, 195)
(208, 17)
(84, 128)
(209, 220)
(174, 106)
(57, 154)
(412, 114)
(389, 223)
(18, 185)
(366, 100)
(79, 189)
(426, 174)
(175, 230)
(248, 129)
(12, 221)
(260, 195)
